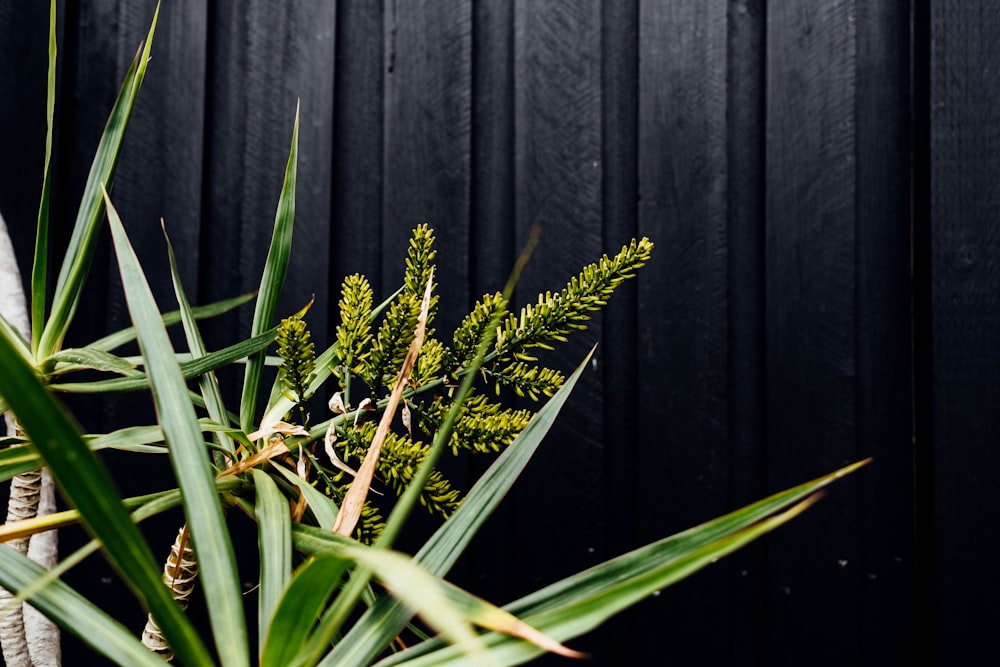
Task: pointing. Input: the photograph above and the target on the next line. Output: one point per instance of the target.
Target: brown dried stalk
(354, 501)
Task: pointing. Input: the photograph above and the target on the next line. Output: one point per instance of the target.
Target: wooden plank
(682, 462)
(358, 147)
(811, 325)
(886, 569)
(485, 566)
(263, 57)
(965, 293)
(23, 63)
(619, 359)
(746, 571)
(491, 233)
(160, 171)
(558, 153)
(428, 118)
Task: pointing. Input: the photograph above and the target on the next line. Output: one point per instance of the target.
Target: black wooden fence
(819, 177)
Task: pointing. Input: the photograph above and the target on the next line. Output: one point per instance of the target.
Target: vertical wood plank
(811, 324)
(23, 63)
(492, 252)
(160, 171)
(356, 238)
(682, 463)
(558, 153)
(263, 57)
(746, 576)
(428, 117)
(965, 292)
(887, 564)
(492, 232)
(619, 363)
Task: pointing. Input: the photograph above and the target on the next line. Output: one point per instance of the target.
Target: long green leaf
(23, 347)
(139, 439)
(380, 624)
(89, 487)
(40, 266)
(75, 613)
(216, 559)
(208, 383)
(74, 359)
(80, 251)
(148, 506)
(274, 531)
(322, 507)
(580, 603)
(117, 339)
(403, 576)
(275, 268)
(188, 369)
(298, 610)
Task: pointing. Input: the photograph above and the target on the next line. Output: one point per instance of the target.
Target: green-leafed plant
(306, 485)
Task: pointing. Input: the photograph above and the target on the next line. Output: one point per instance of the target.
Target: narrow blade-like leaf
(208, 383)
(75, 613)
(274, 533)
(298, 610)
(275, 268)
(377, 627)
(40, 266)
(188, 456)
(88, 486)
(75, 359)
(118, 338)
(188, 369)
(580, 603)
(79, 253)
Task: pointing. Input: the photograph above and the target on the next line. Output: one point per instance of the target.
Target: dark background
(820, 179)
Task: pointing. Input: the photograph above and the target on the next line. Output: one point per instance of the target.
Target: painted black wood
(558, 180)
(682, 375)
(883, 413)
(775, 152)
(811, 323)
(964, 171)
(745, 182)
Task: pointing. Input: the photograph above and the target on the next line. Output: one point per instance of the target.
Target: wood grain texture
(965, 244)
(887, 564)
(492, 252)
(765, 148)
(746, 571)
(357, 178)
(428, 121)
(263, 57)
(558, 180)
(812, 324)
(23, 56)
(682, 462)
(618, 358)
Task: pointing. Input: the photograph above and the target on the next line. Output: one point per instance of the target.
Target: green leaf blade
(274, 531)
(275, 269)
(388, 617)
(40, 266)
(580, 603)
(188, 456)
(208, 383)
(118, 338)
(302, 604)
(75, 613)
(88, 487)
(79, 253)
